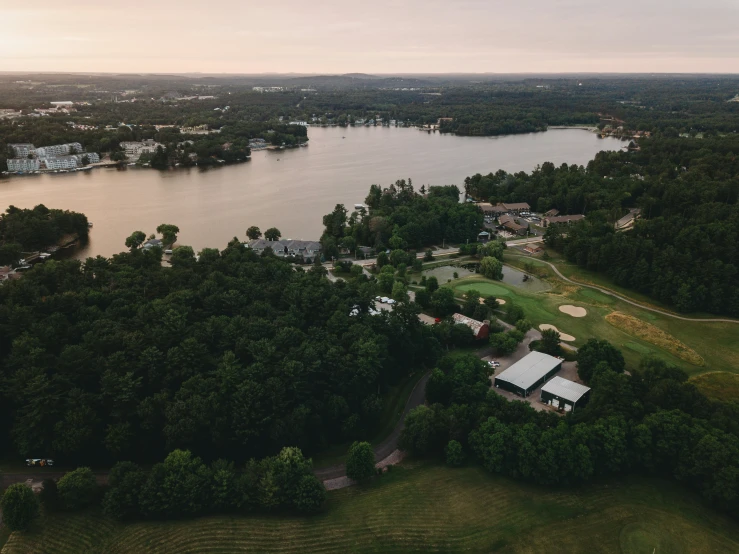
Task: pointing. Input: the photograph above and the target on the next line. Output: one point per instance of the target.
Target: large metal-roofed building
(565, 394)
(528, 373)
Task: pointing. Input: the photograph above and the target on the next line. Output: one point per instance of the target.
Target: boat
(89, 223)
(44, 255)
(168, 251)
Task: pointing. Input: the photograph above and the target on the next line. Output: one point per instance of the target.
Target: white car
(493, 363)
(390, 301)
(385, 300)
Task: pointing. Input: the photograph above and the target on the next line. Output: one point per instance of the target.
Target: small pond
(511, 276)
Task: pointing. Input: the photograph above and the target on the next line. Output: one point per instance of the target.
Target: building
(92, 157)
(59, 162)
(308, 250)
(523, 377)
(509, 224)
(59, 149)
(533, 249)
(562, 219)
(22, 150)
(480, 329)
(504, 208)
(516, 207)
(23, 165)
(564, 394)
(62, 103)
(134, 149)
(551, 213)
(152, 243)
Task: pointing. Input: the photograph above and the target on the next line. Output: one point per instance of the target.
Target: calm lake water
(287, 189)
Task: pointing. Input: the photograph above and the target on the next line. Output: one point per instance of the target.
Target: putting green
(485, 289)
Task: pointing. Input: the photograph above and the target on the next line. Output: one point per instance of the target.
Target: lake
(287, 189)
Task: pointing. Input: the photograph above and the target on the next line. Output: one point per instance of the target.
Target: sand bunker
(574, 311)
(499, 300)
(562, 336)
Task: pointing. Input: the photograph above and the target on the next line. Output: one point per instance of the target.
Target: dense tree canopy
(230, 355)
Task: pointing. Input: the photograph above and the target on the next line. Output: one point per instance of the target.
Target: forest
(682, 250)
(28, 230)
(649, 421)
(226, 355)
(400, 218)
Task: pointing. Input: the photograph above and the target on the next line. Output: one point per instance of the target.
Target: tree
(310, 494)
(420, 435)
(253, 232)
(492, 268)
(273, 233)
(432, 284)
(523, 325)
(78, 488)
(595, 351)
(400, 291)
(506, 343)
(168, 232)
(126, 482)
(423, 298)
(360, 464)
(550, 340)
(136, 239)
(19, 507)
(428, 256)
(443, 303)
(454, 453)
(49, 495)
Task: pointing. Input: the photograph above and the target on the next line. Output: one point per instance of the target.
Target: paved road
(637, 304)
(390, 444)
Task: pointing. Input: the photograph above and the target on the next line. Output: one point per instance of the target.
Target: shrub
(77, 489)
(454, 453)
(20, 507)
(361, 462)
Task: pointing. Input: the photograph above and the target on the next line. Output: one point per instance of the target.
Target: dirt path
(390, 444)
(637, 304)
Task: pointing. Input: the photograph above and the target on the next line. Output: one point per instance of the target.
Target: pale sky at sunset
(382, 36)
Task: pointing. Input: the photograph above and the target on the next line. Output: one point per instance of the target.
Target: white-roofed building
(528, 373)
(565, 394)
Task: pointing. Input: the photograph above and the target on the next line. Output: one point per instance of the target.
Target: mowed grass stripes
(425, 509)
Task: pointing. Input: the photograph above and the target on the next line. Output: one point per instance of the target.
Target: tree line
(682, 249)
(28, 230)
(649, 421)
(229, 354)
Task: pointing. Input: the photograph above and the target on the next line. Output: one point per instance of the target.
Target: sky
(381, 36)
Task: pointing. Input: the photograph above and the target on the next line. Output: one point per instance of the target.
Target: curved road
(633, 303)
(390, 444)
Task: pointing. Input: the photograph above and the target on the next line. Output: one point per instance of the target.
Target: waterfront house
(308, 250)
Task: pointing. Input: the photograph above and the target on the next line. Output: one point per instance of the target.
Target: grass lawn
(428, 508)
(715, 343)
(394, 402)
(718, 385)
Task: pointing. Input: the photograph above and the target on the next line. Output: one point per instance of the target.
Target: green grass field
(426, 509)
(716, 343)
(718, 385)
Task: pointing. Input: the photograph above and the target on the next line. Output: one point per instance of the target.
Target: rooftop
(528, 370)
(564, 388)
(469, 322)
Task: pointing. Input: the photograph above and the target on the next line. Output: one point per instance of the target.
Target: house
(562, 219)
(480, 329)
(504, 208)
(308, 250)
(509, 224)
(564, 394)
(523, 377)
(134, 149)
(151, 243)
(551, 213)
(483, 236)
(533, 249)
(516, 207)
